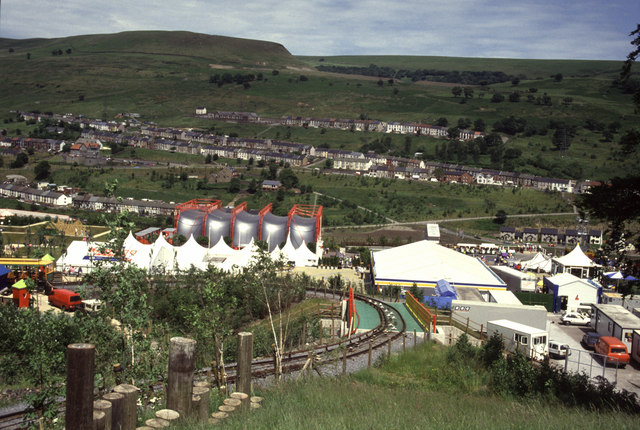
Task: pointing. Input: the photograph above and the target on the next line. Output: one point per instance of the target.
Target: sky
(537, 29)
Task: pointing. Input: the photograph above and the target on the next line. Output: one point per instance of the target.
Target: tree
(234, 185)
(561, 138)
(456, 91)
(42, 170)
(497, 98)
(442, 122)
(514, 97)
(468, 92)
(630, 141)
(479, 125)
(618, 204)
(558, 77)
(500, 217)
(631, 58)
(328, 164)
(288, 178)
(464, 123)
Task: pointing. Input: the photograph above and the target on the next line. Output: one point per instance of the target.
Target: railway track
(391, 327)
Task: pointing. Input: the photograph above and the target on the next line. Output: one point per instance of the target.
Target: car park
(558, 349)
(590, 339)
(575, 318)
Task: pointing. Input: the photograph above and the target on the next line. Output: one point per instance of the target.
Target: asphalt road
(583, 360)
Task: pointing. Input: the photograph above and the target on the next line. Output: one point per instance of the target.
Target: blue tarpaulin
(444, 289)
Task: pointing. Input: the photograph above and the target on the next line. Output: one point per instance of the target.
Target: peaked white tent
(137, 253)
(304, 257)
(163, 256)
(539, 262)
(425, 263)
(191, 254)
(576, 263)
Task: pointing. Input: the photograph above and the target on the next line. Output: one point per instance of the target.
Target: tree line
(466, 77)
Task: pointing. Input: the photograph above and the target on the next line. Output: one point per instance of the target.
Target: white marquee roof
(425, 263)
(575, 258)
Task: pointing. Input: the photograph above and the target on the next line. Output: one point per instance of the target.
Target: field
(163, 76)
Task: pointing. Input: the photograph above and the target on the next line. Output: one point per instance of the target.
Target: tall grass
(414, 390)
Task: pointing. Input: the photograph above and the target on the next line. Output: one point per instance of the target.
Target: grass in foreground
(414, 390)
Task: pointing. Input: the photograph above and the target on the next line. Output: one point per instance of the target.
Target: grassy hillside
(421, 389)
(165, 75)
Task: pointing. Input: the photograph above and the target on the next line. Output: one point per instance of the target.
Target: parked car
(66, 300)
(614, 350)
(557, 349)
(589, 339)
(575, 318)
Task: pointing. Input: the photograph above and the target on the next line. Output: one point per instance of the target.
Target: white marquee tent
(425, 263)
(576, 263)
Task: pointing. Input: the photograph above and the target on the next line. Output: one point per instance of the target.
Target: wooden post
(370, 350)
(344, 361)
(202, 391)
(117, 404)
(415, 339)
(80, 371)
(404, 342)
(129, 406)
(182, 353)
(168, 415)
(99, 420)
(450, 338)
(245, 355)
(106, 407)
(389, 348)
(466, 330)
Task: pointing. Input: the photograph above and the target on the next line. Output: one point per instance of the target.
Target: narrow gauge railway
(325, 354)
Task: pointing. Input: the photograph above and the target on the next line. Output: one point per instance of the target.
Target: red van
(614, 349)
(64, 299)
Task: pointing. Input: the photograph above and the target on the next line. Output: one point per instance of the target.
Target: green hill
(164, 75)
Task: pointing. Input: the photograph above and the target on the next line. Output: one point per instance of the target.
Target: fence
(591, 364)
(425, 318)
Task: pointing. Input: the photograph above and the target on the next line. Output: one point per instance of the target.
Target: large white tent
(425, 263)
(163, 256)
(576, 263)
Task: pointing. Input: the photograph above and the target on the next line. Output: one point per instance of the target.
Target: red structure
(310, 211)
(265, 210)
(205, 205)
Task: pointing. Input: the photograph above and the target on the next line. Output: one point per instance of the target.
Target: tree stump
(256, 399)
(129, 405)
(244, 399)
(157, 423)
(117, 404)
(202, 411)
(168, 414)
(255, 406)
(79, 387)
(233, 402)
(99, 420)
(213, 421)
(226, 408)
(219, 415)
(106, 407)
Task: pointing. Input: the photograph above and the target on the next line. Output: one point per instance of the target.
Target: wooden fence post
(415, 339)
(79, 390)
(129, 406)
(245, 355)
(182, 354)
(99, 420)
(117, 404)
(370, 351)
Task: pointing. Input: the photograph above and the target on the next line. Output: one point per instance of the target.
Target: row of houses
(551, 235)
(339, 124)
(54, 198)
(345, 161)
